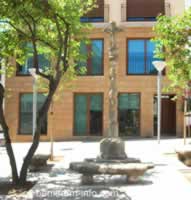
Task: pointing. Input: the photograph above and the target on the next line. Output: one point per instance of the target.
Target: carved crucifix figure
(112, 29)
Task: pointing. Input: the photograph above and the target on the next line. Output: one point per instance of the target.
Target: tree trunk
(8, 143)
(42, 114)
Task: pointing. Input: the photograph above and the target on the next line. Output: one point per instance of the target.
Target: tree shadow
(61, 183)
(44, 169)
(66, 184)
(2, 150)
(68, 189)
(8, 188)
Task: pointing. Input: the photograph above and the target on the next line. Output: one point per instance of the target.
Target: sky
(188, 3)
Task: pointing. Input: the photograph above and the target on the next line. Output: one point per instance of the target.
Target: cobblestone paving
(163, 182)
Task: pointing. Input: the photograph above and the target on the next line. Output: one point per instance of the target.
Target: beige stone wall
(177, 6)
(61, 124)
(116, 12)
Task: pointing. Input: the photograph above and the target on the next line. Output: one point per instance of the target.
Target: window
(140, 57)
(44, 63)
(144, 10)
(94, 54)
(88, 114)
(26, 108)
(129, 114)
(96, 14)
(187, 4)
(189, 105)
(0, 67)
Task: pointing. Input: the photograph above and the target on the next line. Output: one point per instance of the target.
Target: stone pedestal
(112, 149)
(112, 161)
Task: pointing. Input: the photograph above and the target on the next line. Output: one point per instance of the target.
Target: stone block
(112, 149)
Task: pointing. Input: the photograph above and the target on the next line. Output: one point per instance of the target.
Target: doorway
(168, 115)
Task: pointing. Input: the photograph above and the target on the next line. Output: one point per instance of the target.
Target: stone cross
(112, 29)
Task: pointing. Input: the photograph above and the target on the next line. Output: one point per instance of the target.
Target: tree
(174, 45)
(53, 28)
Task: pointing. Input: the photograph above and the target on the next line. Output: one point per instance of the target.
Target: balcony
(99, 14)
(144, 10)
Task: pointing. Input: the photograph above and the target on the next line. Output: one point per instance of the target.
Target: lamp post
(159, 65)
(32, 71)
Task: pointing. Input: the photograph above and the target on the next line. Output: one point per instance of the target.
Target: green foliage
(43, 23)
(172, 36)
(51, 28)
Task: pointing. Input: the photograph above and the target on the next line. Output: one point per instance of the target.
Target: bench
(88, 169)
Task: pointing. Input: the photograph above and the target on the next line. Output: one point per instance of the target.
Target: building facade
(83, 111)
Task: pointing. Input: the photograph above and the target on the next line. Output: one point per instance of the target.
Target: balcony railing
(100, 14)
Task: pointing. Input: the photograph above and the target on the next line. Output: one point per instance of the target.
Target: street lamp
(32, 71)
(159, 65)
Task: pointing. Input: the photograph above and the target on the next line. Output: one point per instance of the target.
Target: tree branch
(66, 39)
(65, 22)
(18, 30)
(28, 24)
(46, 43)
(60, 39)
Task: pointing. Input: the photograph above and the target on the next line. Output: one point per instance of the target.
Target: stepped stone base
(112, 149)
(112, 161)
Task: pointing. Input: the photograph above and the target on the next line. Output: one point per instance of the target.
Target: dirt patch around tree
(7, 188)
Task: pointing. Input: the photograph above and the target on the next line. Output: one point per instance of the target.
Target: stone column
(112, 147)
(112, 29)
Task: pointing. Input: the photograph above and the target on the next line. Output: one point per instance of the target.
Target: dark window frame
(140, 110)
(89, 58)
(18, 71)
(141, 19)
(92, 19)
(88, 113)
(145, 17)
(0, 67)
(89, 18)
(19, 117)
(19, 66)
(145, 59)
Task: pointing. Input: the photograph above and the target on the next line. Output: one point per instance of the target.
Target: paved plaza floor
(165, 182)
